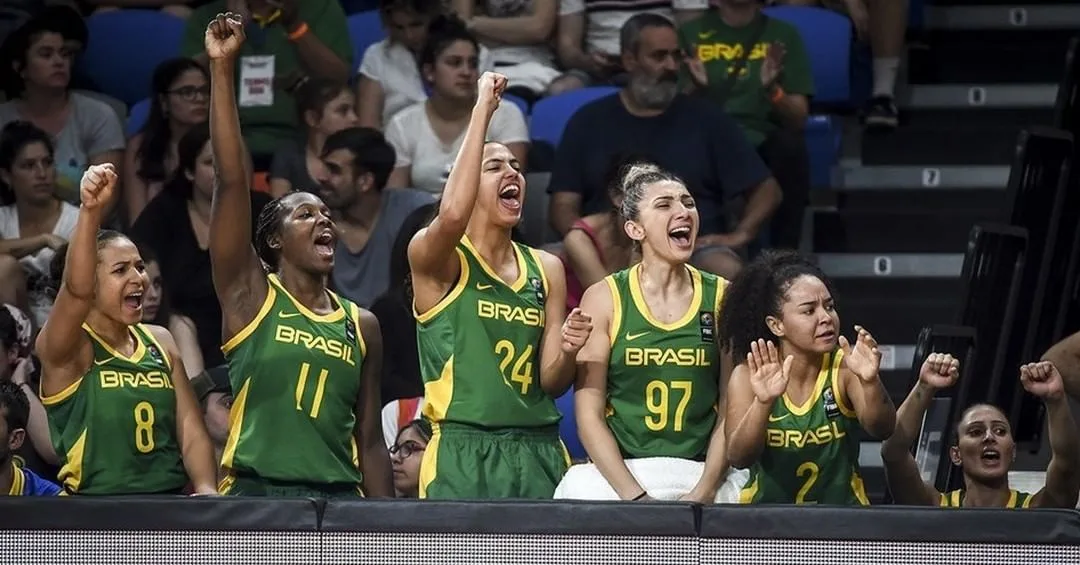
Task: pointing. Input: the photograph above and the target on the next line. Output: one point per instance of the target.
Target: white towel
(664, 478)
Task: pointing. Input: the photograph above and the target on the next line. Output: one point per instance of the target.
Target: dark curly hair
(268, 226)
(758, 292)
(15, 405)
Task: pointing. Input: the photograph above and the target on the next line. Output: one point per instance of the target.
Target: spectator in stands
(766, 87)
(180, 98)
(639, 445)
(686, 135)
(94, 334)
(369, 216)
(597, 245)
(14, 414)
(884, 25)
(518, 34)
(175, 226)
(405, 455)
(17, 365)
(800, 389)
(588, 38)
(492, 441)
(324, 107)
(402, 386)
(36, 225)
(278, 290)
(390, 78)
(427, 136)
(37, 60)
(289, 40)
(178, 8)
(983, 446)
(157, 310)
(215, 396)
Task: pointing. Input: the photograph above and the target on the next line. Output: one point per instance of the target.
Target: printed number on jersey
(520, 367)
(658, 400)
(302, 387)
(808, 472)
(144, 427)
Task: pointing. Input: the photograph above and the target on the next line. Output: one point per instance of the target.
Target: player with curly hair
(800, 389)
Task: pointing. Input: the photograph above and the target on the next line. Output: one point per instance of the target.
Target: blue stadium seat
(823, 137)
(365, 29)
(124, 48)
(519, 102)
(137, 117)
(827, 36)
(550, 115)
(568, 425)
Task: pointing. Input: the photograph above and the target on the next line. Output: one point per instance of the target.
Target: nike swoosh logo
(632, 337)
(103, 361)
(705, 35)
(480, 286)
(776, 419)
(288, 314)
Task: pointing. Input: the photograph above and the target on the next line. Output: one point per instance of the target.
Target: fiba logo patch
(155, 354)
(538, 287)
(828, 397)
(707, 323)
(350, 330)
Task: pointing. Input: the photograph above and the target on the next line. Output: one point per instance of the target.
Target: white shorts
(664, 478)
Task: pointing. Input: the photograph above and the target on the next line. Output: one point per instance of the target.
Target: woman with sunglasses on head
(304, 363)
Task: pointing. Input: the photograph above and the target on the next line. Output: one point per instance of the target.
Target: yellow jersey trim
(815, 394)
(236, 423)
(337, 314)
(841, 401)
(161, 348)
(236, 340)
(515, 286)
(18, 480)
(540, 265)
(616, 308)
(455, 292)
(355, 314)
(136, 356)
(639, 299)
(71, 472)
(429, 463)
(61, 396)
(721, 288)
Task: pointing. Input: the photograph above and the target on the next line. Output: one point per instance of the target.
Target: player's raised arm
(431, 251)
(1063, 474)
(239, 279)
(62, 344)
(940, 370)
(590, 398)
(755, 385)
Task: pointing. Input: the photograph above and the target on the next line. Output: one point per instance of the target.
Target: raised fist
(96, 188)
(224, 36)
(491, 88)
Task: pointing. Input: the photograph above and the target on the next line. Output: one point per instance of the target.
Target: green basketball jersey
(295, 377)
(115, 428)
(480, 346)
(662, 382)
(955, 499)
(811, 454)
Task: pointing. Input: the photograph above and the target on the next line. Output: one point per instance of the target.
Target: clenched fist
(575, 331)
(224, 36)
(96, 188)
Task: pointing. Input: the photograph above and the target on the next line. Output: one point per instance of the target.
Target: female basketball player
(792, 421)
(984, 448)
(124, 418)
(304, 363)
(649, 375)
(488, 315)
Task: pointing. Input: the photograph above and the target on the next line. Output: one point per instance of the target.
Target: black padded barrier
(220, 531)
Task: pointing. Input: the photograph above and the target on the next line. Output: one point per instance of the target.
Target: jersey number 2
(657, 401)
(522, 370)
(301, 387)
(144, 427)
(810, 471)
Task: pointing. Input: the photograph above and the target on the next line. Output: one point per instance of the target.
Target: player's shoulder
(159, 333)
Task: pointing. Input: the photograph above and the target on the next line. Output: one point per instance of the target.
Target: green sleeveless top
(663, 379)
(811, 455)
(295, 377)
(480, 346)
(115, 428)
(955, 499)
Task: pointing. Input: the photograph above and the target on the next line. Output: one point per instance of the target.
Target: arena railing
(217, 531)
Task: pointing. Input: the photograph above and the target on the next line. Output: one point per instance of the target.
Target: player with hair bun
(304, 363)
(800, 388)
(648, 402)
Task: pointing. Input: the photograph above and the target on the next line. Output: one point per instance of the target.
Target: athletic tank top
(955, 499)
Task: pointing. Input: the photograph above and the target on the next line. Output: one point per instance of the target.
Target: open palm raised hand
(863, 358)
(768, 376)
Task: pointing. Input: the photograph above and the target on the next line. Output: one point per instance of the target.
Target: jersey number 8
(144, 427)
(522, 370)
(657, 401)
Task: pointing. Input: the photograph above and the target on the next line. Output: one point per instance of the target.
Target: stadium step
(1013, 56)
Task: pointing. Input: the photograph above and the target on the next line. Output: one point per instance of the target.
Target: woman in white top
(36, 225)
(390, 78)
(427, 136)
(518, 34)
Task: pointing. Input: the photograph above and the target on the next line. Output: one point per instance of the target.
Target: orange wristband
(777, 95)
(299, 32)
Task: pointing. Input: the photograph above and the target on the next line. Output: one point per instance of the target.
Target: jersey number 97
(658, 402)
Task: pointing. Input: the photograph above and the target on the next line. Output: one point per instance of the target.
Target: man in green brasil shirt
(287, 41)
(768, 97)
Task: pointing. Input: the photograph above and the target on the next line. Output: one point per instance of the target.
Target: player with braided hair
(800, 388)
(304, 363)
